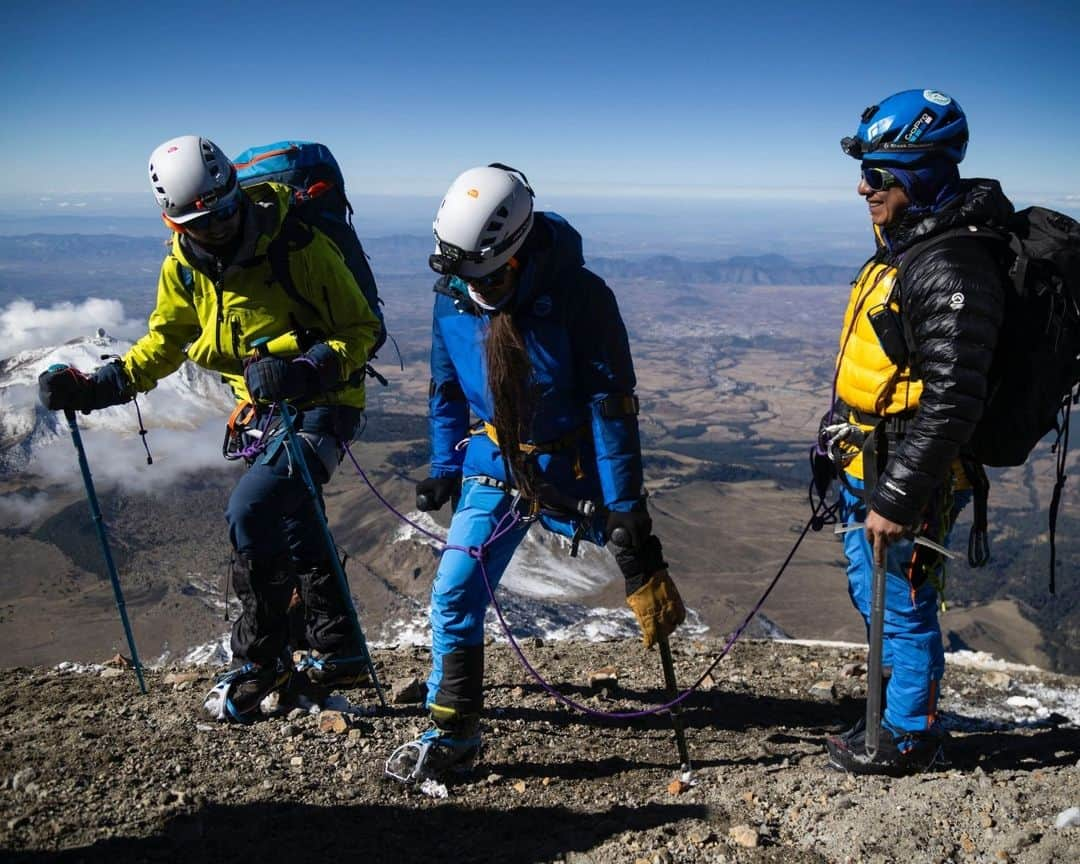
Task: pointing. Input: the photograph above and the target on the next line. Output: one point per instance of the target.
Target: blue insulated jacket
(580, 356)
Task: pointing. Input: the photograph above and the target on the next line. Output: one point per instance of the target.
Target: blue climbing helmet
(909, 127)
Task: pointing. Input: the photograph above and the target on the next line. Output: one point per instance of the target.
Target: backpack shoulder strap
(442, 286)
(972, 232)
(293, 236)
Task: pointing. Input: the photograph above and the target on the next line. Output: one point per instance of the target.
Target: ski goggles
(879, 179)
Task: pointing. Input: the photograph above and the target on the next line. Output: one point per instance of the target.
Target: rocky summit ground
(92, 771)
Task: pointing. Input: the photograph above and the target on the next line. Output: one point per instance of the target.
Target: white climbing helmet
(484, 218)
(192, 177)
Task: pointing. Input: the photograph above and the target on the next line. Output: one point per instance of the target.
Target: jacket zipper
(219, 293)
(329, 308)
(236, 337)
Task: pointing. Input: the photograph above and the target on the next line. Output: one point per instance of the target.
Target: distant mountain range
(737, 270)
(25, 259)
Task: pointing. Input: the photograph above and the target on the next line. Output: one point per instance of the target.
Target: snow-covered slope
(181, 403)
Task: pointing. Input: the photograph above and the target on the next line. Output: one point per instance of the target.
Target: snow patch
(184, 415)
(529, 618)
(215, 653)
(69, 667)
(541, 567)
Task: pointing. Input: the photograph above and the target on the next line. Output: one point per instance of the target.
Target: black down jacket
(952, 301)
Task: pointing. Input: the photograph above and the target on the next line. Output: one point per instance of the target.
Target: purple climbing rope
(506, 524)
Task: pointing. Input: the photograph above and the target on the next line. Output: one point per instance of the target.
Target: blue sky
(588, 98)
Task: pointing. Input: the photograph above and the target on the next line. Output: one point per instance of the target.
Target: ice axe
(676, 710)
(621, 537)
(99, 523)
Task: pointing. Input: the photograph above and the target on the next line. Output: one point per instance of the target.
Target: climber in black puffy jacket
(912, 377)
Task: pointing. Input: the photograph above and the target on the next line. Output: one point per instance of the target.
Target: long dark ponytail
(509, 369)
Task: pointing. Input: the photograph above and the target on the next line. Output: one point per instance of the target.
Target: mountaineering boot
(236, 696)
(335, 669)
(896, 754)
(450, 747)
(860, 724)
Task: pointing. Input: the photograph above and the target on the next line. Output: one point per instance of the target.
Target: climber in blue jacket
(530, 344)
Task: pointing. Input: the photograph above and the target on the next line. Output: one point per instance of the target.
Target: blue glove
(65, 388)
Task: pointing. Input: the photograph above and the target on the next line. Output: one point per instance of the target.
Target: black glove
(274, 380)
(637, 551)
(65, 388)
(432, 493)
(629, 529)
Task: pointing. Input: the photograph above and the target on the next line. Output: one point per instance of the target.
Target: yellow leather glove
(658, 607)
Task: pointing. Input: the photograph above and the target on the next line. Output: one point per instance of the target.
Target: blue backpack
(319, 200)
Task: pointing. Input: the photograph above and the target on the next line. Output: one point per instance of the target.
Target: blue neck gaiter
(931, 185)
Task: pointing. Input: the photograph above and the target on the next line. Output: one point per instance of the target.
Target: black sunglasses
(879, 179)
(222, 214)
(491, 280)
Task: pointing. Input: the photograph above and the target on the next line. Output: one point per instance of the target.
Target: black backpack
(1035, 373)
(311, 170)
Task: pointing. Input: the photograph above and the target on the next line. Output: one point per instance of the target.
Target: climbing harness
(246, 432)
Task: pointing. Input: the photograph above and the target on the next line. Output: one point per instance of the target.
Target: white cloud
(117, 460)
(23, 325)
(17, 511)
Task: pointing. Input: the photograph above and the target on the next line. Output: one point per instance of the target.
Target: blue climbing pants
(459, 598)
(912, 646)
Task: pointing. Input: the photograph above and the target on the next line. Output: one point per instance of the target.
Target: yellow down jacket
(213, 318)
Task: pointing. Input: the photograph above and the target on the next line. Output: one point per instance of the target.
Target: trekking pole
(873, 665)
(297, 455)
(676, 710)
(99, 523)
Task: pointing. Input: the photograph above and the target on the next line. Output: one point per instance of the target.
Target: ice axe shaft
(621, 537)
(676, 710)
(99, 523)
(873, 671)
